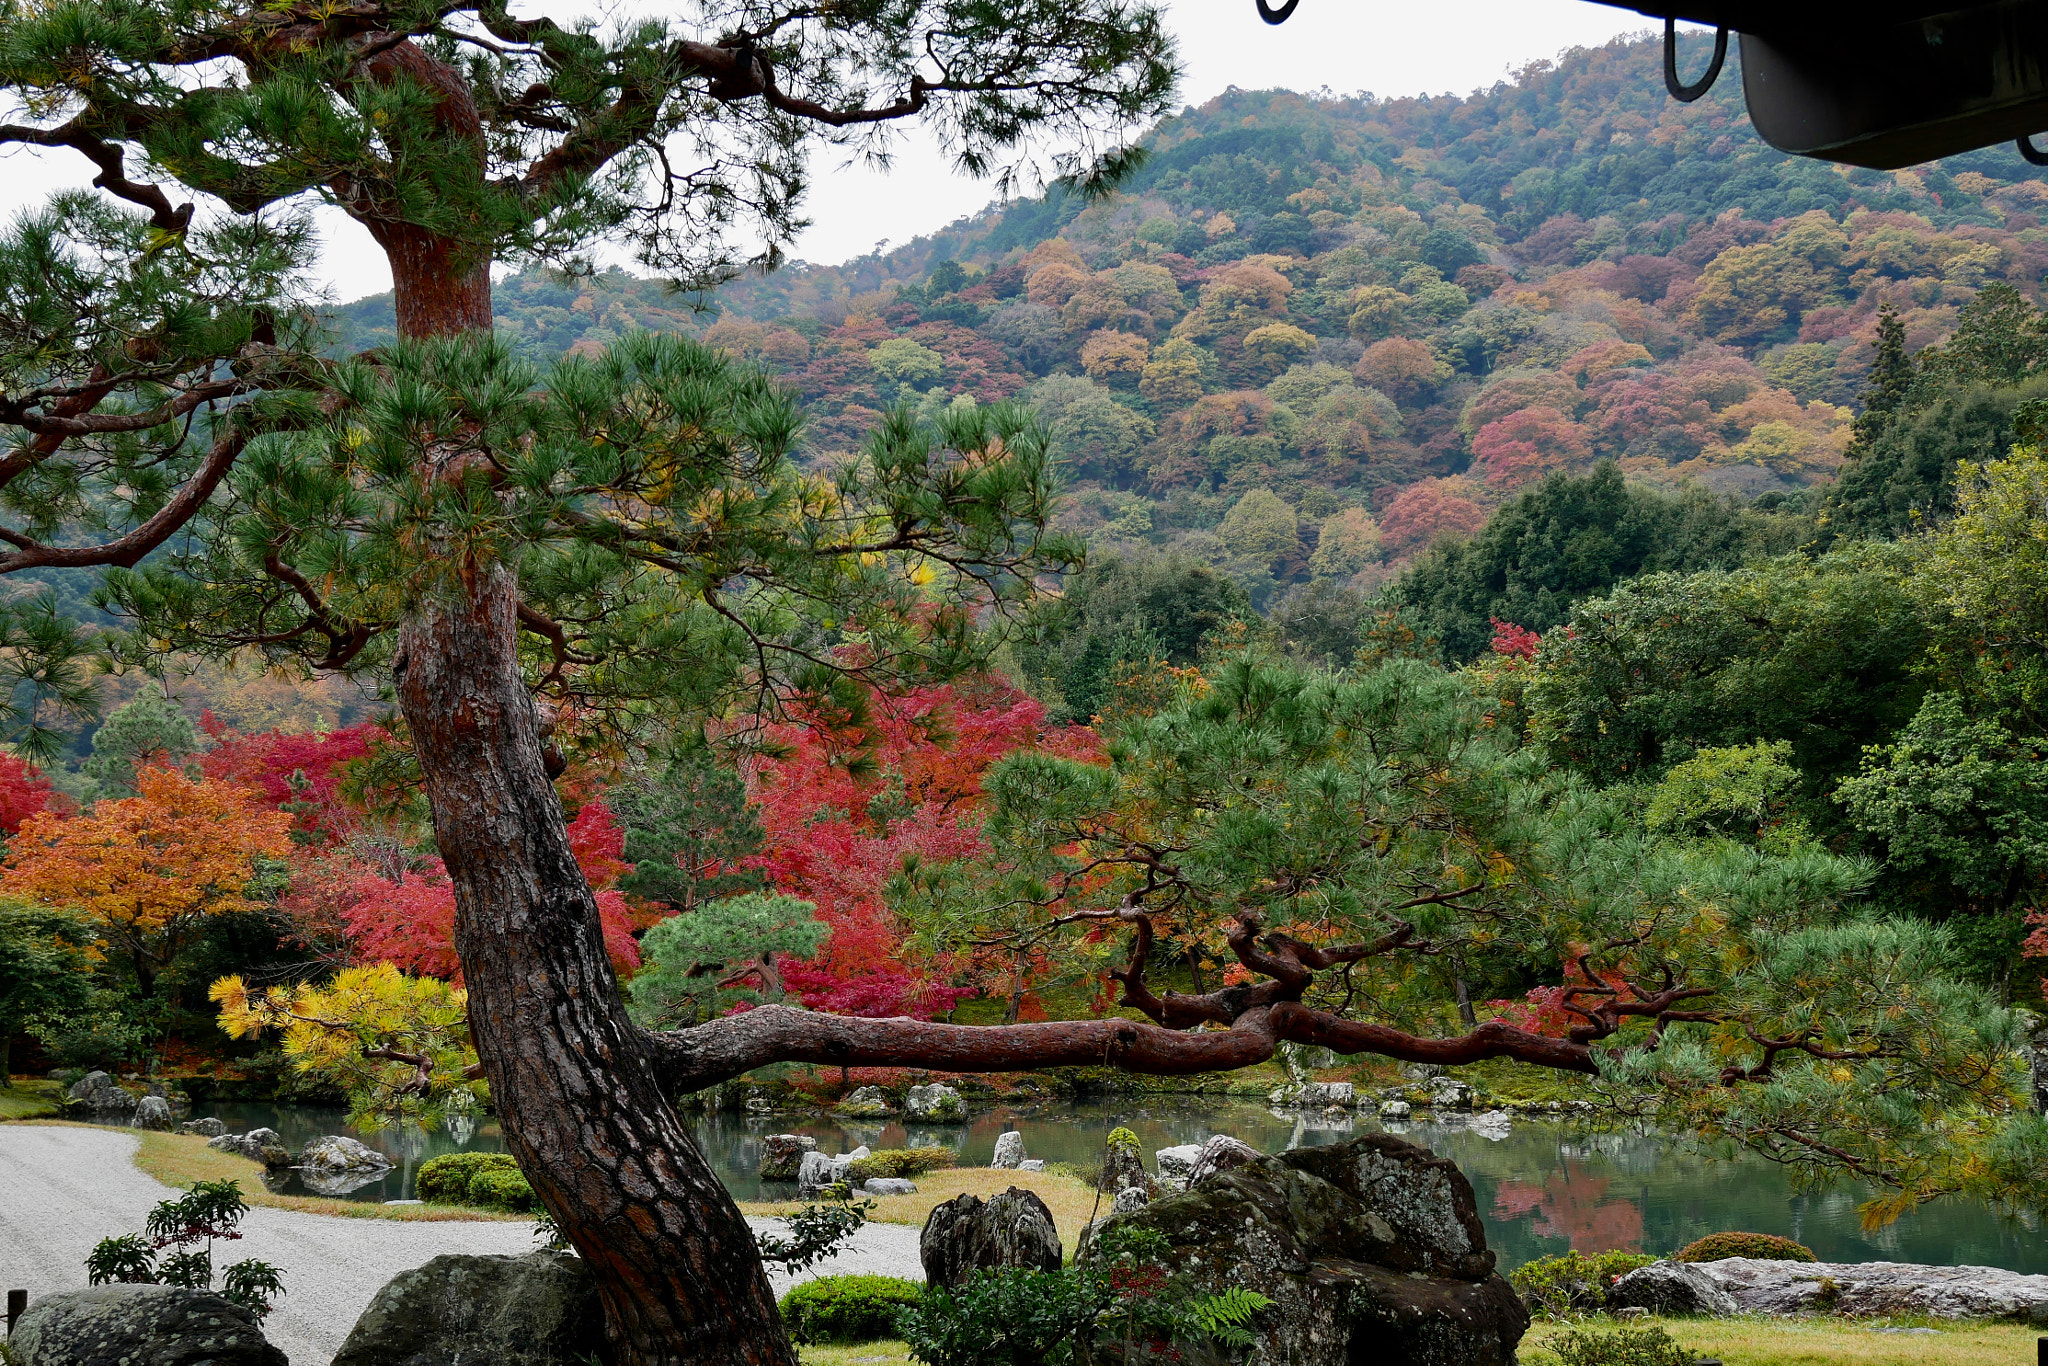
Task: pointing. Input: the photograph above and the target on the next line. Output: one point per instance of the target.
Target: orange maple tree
(147, 870)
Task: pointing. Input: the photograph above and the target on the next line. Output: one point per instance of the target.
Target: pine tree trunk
(676, 1265)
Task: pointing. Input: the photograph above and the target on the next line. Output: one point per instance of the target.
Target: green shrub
(447, 1179)
(1002, 1318)
(899, 1162)
(1644, 1344)
(847, 1308)
(1763, 1247)
(505, 1190)
(1572, 1284)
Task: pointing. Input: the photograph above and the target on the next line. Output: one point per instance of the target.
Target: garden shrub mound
(1761, 1247)
(846, 1309)
(898, 1162)
(1572, 1284)
(491, 1180)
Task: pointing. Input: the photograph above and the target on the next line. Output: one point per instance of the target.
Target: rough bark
(573, 1082)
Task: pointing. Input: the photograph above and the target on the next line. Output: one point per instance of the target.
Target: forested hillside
(1314, 334)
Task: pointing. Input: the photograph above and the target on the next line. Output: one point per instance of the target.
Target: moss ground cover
(30, 1100)
(1828, 1342)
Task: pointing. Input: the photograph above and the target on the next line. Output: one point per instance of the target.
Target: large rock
(1447, 1093)
(814, 1172)
(537, 1310)
(205, 1128)
(1121, 1165)
(1220, 1154)
(140, 1325)
(1177, 1164)
(1872, 1288)
(1672, 1288)
(783, 1154)
(99, 1094)
(966, 1235)
(258, 1145)
(1371, 1251)
(153, 1112)
(933, 1104)
(867, 1102)
(335, 1153)
(1317, 1095)
(1009, 1151)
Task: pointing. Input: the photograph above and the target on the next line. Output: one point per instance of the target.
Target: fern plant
(1228, 1317)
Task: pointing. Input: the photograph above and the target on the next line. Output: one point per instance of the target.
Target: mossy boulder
(1370, 1251)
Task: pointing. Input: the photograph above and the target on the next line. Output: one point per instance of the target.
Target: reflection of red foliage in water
(1570, 1206)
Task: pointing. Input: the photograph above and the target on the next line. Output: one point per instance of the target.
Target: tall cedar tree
(437, 512)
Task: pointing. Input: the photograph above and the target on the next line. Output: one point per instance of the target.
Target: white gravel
(64, 1189)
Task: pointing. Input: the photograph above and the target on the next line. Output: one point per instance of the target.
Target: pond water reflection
(1543, 1188)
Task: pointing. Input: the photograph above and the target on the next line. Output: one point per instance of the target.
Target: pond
(1543, 1188)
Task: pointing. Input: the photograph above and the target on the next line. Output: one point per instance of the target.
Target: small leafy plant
(817, 1231)
(1645, 1344)
(176, 1248)
(1572, 1284)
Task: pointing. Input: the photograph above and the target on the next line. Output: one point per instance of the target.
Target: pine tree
(616, 537)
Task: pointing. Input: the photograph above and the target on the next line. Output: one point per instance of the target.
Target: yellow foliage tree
(148, 870)
(397, 1046)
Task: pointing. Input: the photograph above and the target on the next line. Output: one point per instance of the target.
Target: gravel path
(62, 1190)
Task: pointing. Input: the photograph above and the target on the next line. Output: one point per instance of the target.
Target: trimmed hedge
(1571, 1284)
(492, 1180)
(1762, 1247)
(899, 1162)
(843, 1309)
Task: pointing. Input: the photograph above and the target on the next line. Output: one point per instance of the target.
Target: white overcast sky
(1388, 47)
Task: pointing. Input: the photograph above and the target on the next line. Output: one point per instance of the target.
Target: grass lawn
(865, 1354)
(31, 1100)
(1830, 1342)
(1070, 1201)
(1737, 1342)
(181, 1159)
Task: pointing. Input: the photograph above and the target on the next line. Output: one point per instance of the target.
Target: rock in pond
(1873, 1288)
(100, 1094)
(335, 1153)
(1446, 1093)
(1317, 1095)
(140, 1325)
(867, 1101)
(205, 1128)
(967, 1234)
(1371, 1251)
(814, 1172)
(537, 1310)
(1395, 1109)
(1220, 1154)
(153, 1112)
(782, 1154)
(889, 1185)
(934, 1104)
(1672, 1288)
(258, 1145)
(1009, 1150)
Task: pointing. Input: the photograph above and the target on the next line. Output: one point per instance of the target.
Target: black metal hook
(1686, 94)
(1276, 16)
(2034, 155)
